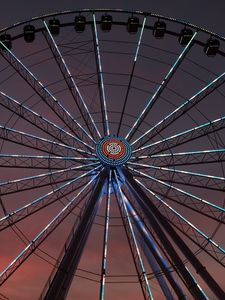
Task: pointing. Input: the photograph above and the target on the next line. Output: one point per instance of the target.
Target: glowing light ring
(113, 151)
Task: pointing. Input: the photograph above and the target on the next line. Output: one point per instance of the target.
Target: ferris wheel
(112, 158)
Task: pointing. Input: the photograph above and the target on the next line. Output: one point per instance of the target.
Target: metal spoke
(36, 242)
(163, 228)
(188, 229)
(198, 285)
(106, 234)
(105, 120)
(43, 201)
(184, 136)
(133, 241)
(212, 210)
(40, 122)
(153, 246)
(152, 253)
(181, 110)
(186, 158)
(41, 162)
(41, 180)
(38, 143)
(190, 178)
(79, 100)
(43, 92)
(60, 284)
(131, 75)
(160, 89)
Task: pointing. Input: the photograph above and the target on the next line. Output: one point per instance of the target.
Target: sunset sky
(28, 282)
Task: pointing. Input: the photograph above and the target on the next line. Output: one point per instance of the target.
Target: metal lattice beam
(185, 158)
(128, 226)
(201, 180)
(39, 239)
(43, 93)
(131, 75)
(188, 199)
(41, 202)
(152, 213)
(41, 122)
(105, 120)
(38, 143)
(72, 86)
(184, 136)
(192, 232)
(160, 88)
(61, 282)
(41, 180)
(181, 110)
(41, 162)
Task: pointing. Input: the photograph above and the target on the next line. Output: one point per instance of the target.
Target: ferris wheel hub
(113, 151)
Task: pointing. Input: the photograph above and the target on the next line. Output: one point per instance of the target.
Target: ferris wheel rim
(116, 176)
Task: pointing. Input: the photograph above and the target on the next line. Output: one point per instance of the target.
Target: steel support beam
(129, 230)
(184, 177)
(189, 230)
(155, 218)
(202, 206)
(154, 258)
(43, 201)
(106, 236)
(62, 280)
(41, 180)
(187, 158)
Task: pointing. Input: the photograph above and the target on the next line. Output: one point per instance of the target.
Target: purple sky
(205, 13)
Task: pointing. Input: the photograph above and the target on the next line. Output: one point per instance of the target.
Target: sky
(207, 14)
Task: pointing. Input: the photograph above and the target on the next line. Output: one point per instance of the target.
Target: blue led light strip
(101, 77)
(201, 152)
(39, 202)
(122, 203)
(175, 114)
(197, 131)
(35, 243)
(178, 171)
(219, 208)
(160, 88)
(39, 88)
(207, 238)
(8, 185)
(4, 132)
(28, 114)
(106, 233)
(147, 251)
(70, 79)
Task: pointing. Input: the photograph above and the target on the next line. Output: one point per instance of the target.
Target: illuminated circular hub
(113, 151)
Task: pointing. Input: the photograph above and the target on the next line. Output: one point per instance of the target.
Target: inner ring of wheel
(113, 151)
